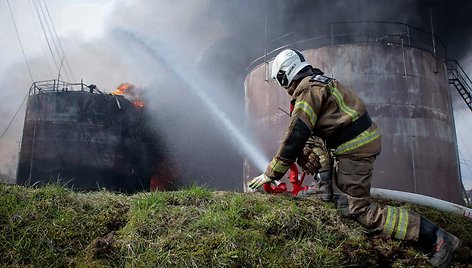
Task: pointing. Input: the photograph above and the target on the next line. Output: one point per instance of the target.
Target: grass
(196, 227)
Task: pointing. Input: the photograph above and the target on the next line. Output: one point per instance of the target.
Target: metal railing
(39, 87)
(461, 81)
(354, 32)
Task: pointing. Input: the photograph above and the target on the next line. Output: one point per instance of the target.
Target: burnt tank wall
(407, 94)
(85, 140)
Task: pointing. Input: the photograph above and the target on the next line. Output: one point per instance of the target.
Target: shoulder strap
(321, 78)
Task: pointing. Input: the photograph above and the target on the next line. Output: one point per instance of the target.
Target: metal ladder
(462, 83)
(460, 80)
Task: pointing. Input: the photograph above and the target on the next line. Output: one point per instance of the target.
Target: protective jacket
(325, 108)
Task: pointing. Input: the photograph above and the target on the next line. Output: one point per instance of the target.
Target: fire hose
(422, 200)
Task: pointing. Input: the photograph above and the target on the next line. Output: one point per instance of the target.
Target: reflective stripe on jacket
(320, 109)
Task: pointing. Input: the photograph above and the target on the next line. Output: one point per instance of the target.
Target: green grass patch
(195, 227)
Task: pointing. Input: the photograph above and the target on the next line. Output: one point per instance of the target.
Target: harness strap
(350, 131)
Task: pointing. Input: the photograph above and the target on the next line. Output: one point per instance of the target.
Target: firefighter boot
(442, 243)
(323, 188)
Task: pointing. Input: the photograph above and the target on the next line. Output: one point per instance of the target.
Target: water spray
(171, 61)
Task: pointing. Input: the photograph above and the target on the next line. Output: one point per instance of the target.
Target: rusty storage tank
(87, 139)
(400, 72)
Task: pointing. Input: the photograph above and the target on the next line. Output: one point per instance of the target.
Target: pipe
(422, 200)
(118, 103)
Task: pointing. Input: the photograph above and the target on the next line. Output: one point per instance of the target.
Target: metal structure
(401, 75)
(75, 134)
(461, 81)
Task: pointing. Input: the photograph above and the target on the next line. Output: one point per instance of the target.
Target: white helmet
(286, 65)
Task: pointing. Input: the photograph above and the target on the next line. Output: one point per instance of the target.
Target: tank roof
(352, 32)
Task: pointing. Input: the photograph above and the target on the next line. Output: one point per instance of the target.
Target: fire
(123, 88)
(139, 103)
(129, 91)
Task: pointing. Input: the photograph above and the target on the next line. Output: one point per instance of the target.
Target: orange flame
(139, 103)
(130, 92)
(123, 88)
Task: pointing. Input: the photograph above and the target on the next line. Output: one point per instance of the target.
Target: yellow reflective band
(342, 105)
(391, 220)
(402, 224)
(363, 138)
(278, 167)
(305, 107)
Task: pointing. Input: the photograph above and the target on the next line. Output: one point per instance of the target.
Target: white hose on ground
(422, 200)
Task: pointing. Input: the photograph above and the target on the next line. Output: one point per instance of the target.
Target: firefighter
(324, 107)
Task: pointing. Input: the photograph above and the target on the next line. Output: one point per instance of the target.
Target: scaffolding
(55, 85)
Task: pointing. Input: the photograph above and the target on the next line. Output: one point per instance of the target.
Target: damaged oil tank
(400, 73)
(81, 137)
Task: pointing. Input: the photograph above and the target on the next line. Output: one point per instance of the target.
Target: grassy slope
(54, 227)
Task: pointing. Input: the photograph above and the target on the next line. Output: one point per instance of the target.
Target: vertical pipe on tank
(32, 151)
(332, 33)
(432, 30)
(266, 63)
(413, 164)
(408, 35)
(411, 138)
(404, 59)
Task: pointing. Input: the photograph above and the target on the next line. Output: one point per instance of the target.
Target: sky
(151, 43)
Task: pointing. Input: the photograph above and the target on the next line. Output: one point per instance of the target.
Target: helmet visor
(282, 78)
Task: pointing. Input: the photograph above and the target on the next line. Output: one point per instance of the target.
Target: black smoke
(252, 25)
(246, 20)
(220, 39)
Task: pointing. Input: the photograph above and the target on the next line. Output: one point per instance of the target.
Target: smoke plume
(172, 49)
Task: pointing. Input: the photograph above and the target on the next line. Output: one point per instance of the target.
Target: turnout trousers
(351, 185)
